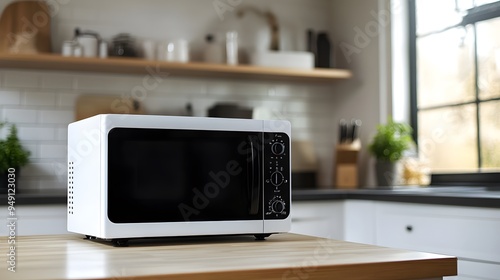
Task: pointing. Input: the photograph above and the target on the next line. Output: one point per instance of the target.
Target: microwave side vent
(71, 187)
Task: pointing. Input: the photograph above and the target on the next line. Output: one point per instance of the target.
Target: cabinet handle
(409, 228)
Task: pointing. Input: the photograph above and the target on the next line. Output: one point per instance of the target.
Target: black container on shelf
(230, 110)
(123, 45)
(323, 51)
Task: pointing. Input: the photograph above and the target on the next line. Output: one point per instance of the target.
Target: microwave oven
(139, 176)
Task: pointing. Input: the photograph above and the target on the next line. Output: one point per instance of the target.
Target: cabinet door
(470, 270)
(465, 232)
(359, 221)
(318, 218)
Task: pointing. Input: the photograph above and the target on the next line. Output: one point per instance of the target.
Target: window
(455, 68)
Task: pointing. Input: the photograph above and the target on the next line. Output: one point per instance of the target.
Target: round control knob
(278, 206)
(277, 178)
(278, 148)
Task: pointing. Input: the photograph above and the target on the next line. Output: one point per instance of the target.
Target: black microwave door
(166, 175)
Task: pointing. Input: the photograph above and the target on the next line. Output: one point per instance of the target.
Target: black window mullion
(412, 15)
(476, 83)
(478, 178)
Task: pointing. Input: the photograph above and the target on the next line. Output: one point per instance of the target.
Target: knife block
(346, 165)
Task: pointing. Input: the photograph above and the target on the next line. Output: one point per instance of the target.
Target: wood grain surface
(27, 25)
(165, 69)
(283, 256)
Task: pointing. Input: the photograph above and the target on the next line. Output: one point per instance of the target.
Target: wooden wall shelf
(192, 69)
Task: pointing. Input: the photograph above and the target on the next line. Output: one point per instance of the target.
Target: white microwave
(137, 176)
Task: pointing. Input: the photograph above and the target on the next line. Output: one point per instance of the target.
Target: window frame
(469, 179)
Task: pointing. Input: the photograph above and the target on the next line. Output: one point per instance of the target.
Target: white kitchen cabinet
(474, 270)
(359, 221)
(36, 220)
(470, 233)
(318, 218)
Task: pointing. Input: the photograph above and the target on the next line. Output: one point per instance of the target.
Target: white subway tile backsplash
(51, 184)
(105, 83)
(57, 81)
(36, 133)
(165, 105)
(40, 98)
(20, 79)
(171, 86)
(20, 115)
(27, 184)
(53, 151)
(67, 99)
(237, 88)
(305, 107)
(10, 97)
(56, 117)
(62, 133)
(39, 169)
(60, 169)
(32, 148)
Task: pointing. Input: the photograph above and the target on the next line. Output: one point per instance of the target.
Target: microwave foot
(90, 237)
(261, 236)
(120, 242)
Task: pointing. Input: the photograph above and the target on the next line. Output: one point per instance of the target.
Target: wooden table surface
(282, 256)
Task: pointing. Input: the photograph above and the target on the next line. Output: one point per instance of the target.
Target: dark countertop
(38, 198)
(460, 196)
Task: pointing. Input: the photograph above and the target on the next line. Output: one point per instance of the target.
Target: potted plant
(12, 155)
(388, 146)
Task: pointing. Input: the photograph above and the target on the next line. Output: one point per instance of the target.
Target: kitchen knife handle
(355, 129)
(342, 130)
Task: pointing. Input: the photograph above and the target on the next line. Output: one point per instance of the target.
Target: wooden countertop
(282, 256)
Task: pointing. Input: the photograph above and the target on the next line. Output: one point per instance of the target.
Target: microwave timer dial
(278, 148)
(277, 178)
(277, 205)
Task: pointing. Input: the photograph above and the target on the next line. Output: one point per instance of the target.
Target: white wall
(363, 45)
(41, 103)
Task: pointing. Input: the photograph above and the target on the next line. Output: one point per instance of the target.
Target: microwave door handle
(255, 180)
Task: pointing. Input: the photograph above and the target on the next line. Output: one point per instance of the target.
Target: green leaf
(391, 140)
(12, 154)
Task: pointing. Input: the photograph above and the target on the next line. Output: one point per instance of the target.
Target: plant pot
(4, 184)
(386, 173)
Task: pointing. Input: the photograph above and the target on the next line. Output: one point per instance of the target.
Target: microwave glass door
(172, 175)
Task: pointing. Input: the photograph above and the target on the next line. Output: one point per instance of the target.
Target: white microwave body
(138, 176)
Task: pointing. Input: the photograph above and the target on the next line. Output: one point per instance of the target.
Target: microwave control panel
(277, 179)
